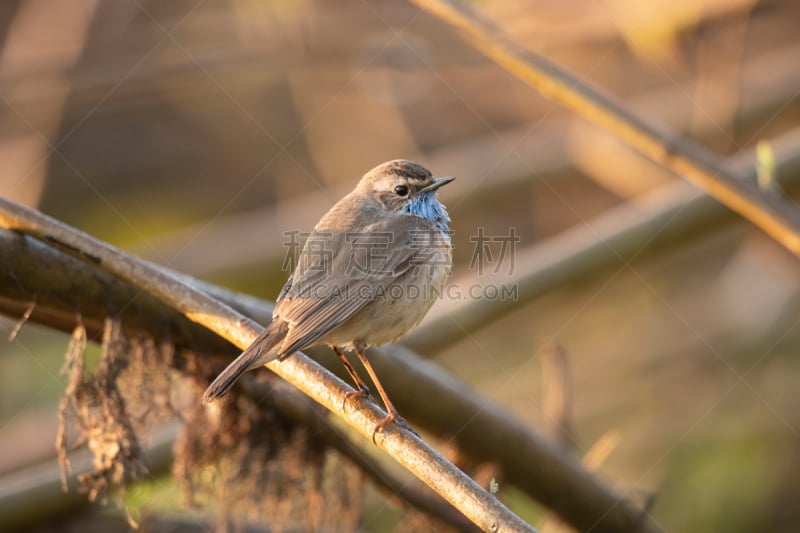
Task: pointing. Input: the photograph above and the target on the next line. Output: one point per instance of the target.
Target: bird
(368, 272)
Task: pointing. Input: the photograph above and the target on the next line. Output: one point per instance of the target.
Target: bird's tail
(257, 354)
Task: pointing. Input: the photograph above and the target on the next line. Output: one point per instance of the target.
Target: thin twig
(777, 217)
(22, 321)
(556, 394)
(600, 450)
(474, 502)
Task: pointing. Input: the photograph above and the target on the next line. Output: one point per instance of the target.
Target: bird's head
(407, 187)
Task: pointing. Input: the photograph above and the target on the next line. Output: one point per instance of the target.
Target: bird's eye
(401, 190)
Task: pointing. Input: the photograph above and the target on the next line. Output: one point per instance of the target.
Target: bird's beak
(437, 182)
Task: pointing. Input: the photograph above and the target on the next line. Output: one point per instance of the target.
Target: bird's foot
(397, 419)
(362, 392)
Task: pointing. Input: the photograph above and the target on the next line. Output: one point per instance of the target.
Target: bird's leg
(363, 390)
(393, 415)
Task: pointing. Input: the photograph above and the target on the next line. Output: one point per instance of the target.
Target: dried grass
(239, 458)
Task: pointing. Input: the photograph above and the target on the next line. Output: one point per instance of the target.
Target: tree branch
(777, 217)
(302, 410)
(474, 502)
(479, 428)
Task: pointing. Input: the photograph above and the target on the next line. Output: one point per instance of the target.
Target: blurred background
(196, 133)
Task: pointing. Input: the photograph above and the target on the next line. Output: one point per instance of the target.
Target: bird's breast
(399, 306)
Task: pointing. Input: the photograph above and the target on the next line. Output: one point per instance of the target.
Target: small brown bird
(368, 272)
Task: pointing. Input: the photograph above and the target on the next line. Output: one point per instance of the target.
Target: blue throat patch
(427, 206)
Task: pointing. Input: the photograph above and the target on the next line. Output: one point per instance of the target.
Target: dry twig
(531, 463)
(773, 214)
(556, 394)
(474, 502)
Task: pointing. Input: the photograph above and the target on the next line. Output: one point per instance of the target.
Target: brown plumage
(369, 271)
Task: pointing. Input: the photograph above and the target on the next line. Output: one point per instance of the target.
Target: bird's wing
(350, 270)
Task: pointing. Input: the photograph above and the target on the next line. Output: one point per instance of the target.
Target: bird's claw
(397, 419)
(360, 393)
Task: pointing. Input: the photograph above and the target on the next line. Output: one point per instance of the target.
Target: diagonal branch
(62, 283)
(474, 502)
(773, 214)
(311, 415)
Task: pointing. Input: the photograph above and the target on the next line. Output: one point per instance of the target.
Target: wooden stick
(530, 462)
(773, 214)
(463, 493)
